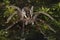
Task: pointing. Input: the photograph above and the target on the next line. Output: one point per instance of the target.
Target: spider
(28, 18)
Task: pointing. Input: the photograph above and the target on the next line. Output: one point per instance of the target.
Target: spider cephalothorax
(28, 15)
